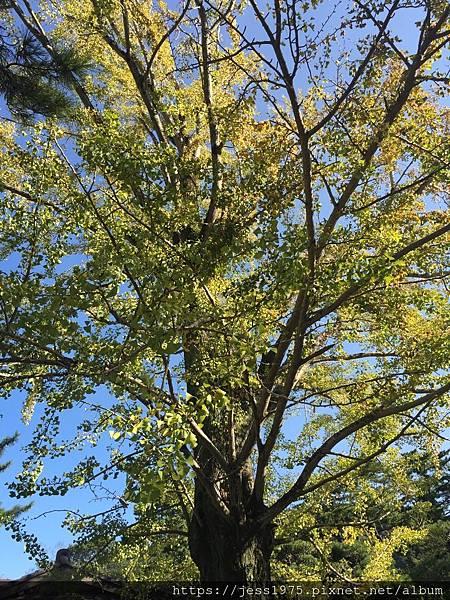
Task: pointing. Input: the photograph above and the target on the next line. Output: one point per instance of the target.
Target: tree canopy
(232, 218)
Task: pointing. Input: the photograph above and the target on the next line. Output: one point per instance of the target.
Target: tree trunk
(226, 549)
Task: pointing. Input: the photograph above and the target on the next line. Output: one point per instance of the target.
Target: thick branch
(324, 450)
(216, 147)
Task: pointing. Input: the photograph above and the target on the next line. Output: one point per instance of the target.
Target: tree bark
(228, 548)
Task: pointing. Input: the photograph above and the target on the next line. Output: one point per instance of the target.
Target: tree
(30, 78)
(237, 228)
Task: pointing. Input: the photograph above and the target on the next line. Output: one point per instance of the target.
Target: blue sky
(48, 529)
